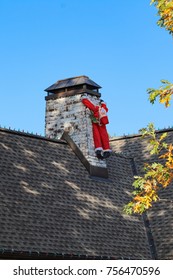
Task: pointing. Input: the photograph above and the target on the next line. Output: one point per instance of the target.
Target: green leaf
(165, 82)
(165, 145)
(128, 209)
(163, 136)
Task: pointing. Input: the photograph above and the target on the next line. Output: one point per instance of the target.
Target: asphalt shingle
(50, 204)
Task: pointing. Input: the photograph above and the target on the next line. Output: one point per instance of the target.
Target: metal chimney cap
(70, 82)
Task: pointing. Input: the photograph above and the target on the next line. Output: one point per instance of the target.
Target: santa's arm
(104, 106)
(88, 104)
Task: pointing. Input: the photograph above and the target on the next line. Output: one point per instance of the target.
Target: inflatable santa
(99, 120)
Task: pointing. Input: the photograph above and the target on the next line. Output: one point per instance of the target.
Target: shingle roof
(80, 80)
(50, 204)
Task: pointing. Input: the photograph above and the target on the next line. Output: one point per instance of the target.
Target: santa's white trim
(99, 149)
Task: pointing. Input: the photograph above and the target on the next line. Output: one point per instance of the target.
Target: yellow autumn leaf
(137, 208)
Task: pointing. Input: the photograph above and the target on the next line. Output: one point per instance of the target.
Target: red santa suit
(99, 120)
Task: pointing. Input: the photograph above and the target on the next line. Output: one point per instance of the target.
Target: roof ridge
(31, 135)
(73, 78)
(125, 136)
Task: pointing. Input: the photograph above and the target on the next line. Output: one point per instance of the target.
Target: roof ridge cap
(31, 135)
(125, 136)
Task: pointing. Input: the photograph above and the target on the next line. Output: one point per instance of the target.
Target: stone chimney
(66, 113)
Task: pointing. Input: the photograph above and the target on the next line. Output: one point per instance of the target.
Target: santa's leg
(105, 141)
(97, 141)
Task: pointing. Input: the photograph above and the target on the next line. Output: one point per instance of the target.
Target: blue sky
(116, 43)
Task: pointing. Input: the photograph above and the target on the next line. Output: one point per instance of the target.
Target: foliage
(165, 12)
(164, 93)
(156, 175)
